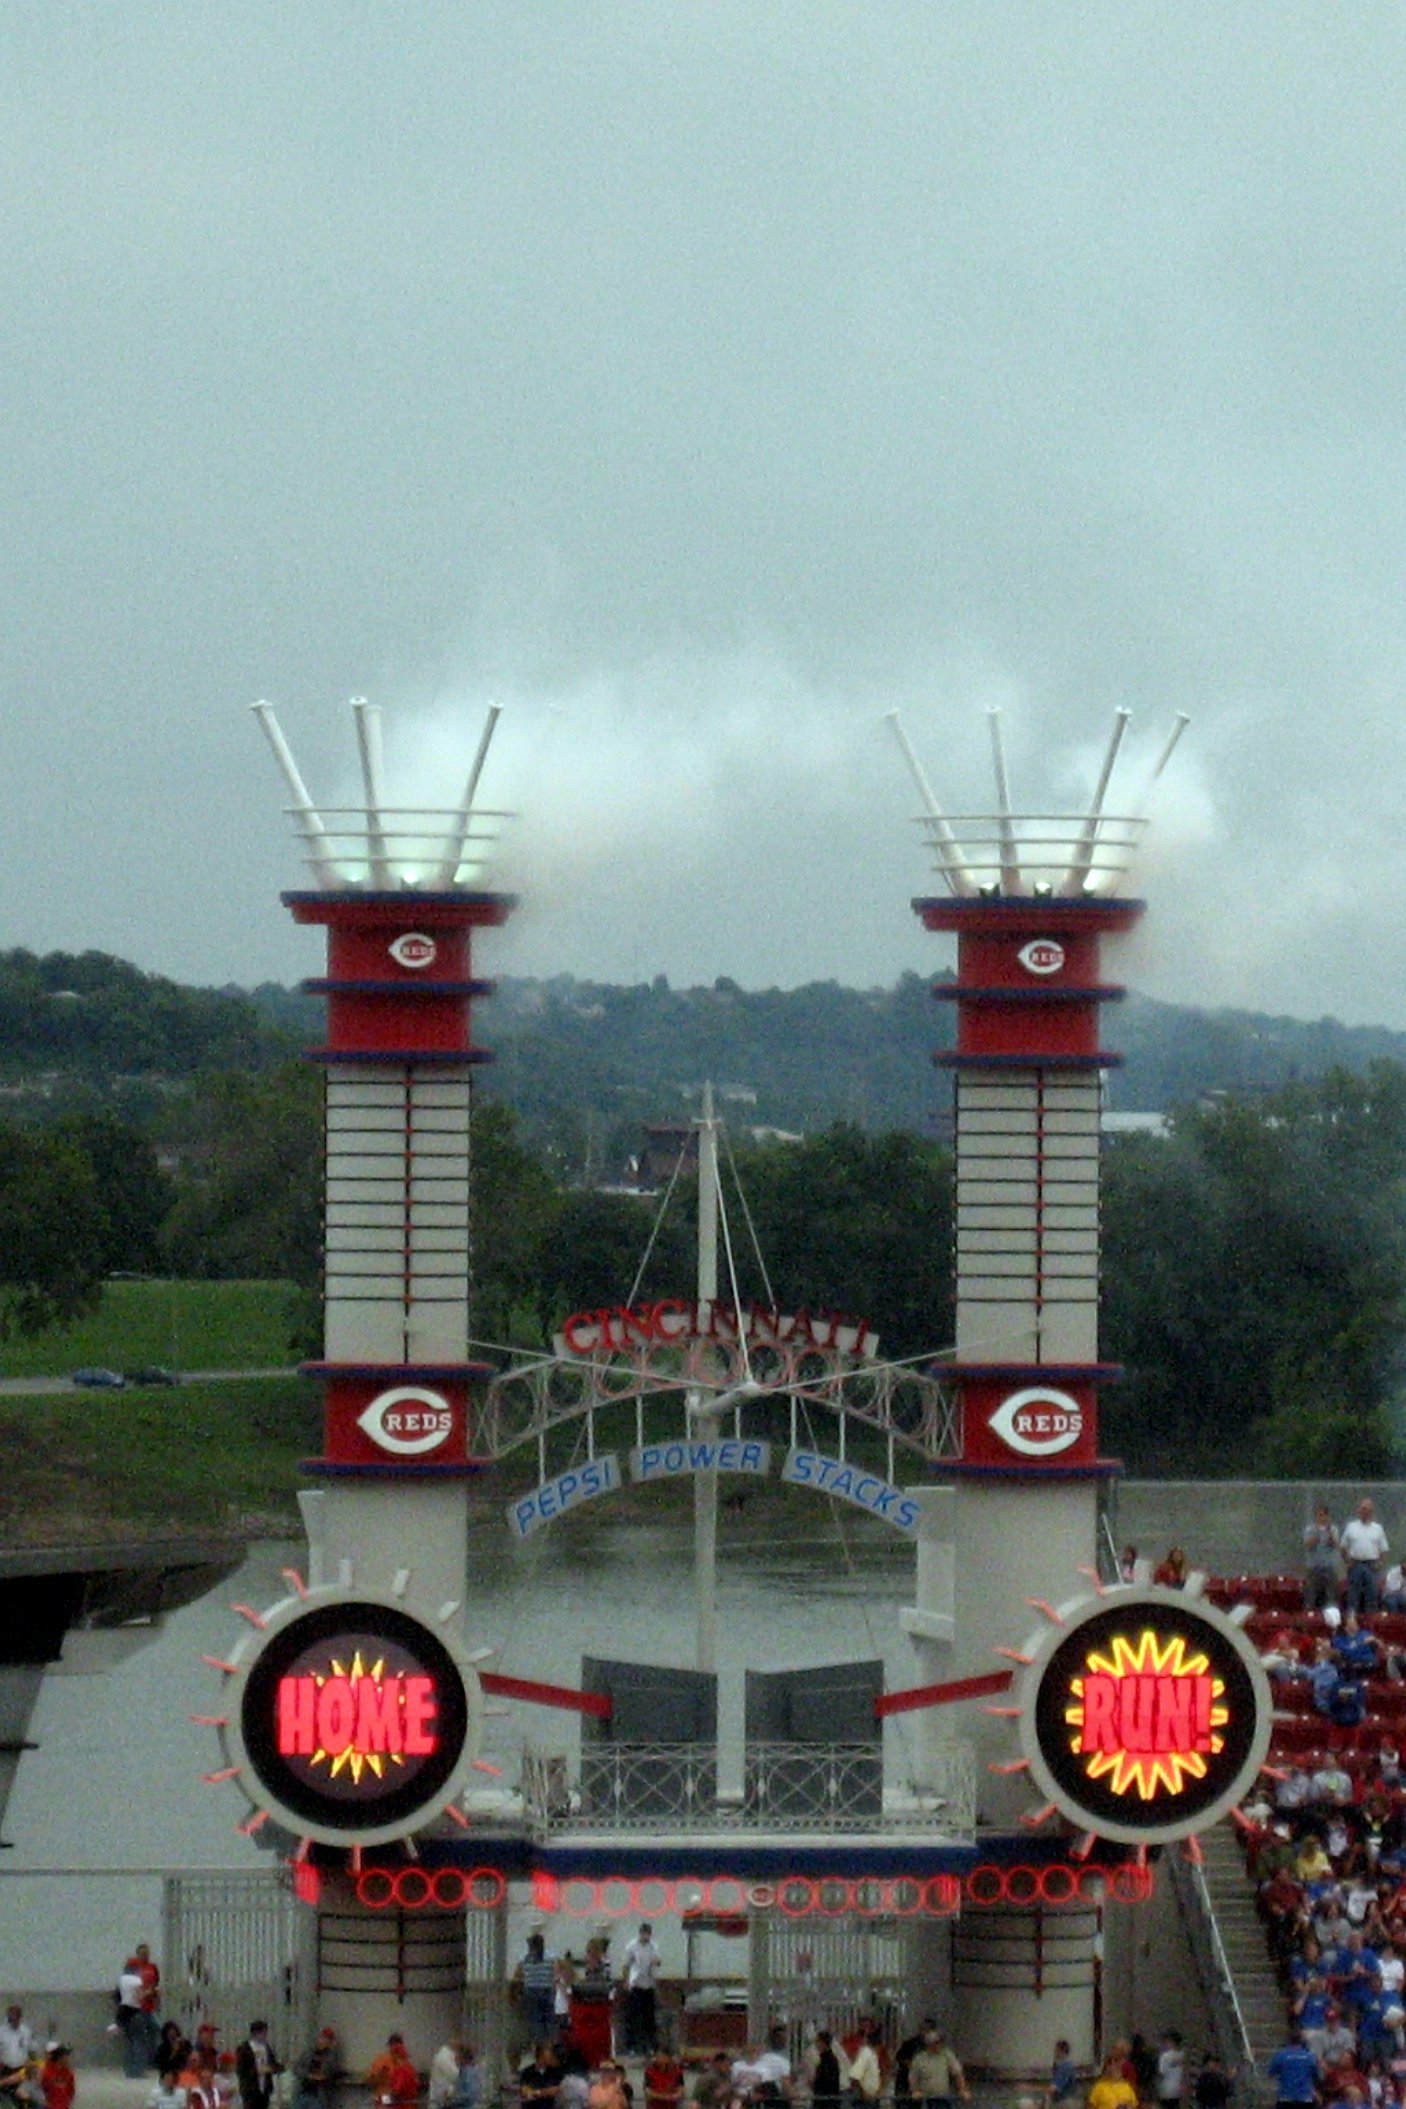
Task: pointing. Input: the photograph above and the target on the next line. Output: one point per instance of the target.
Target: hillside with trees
(1255, 1255)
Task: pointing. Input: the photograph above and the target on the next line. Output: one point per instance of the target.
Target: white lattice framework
(910, 1405)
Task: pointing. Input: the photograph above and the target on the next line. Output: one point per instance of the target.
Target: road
(31, 1387)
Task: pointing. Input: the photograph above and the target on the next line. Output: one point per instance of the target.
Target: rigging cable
(656, 1227)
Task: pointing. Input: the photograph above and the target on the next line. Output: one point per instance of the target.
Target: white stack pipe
(1010, 854)
(314, 833)
(954, 868)
(458, 835)
(1084, 849)
(368, 740)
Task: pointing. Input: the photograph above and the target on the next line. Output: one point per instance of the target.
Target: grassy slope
(145, 1463)
(185, 1325)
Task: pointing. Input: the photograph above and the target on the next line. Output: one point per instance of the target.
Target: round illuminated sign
(352, 1721)
(1146, 1715)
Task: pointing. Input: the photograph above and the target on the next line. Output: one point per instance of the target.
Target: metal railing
(793, 1787)
(1060, 855)
(1213, 1968)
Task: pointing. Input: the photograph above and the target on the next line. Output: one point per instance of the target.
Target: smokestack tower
(1030, 898)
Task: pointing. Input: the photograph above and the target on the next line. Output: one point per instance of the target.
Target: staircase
(1253, 1985)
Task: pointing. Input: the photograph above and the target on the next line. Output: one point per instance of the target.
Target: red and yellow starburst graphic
(1145, 1714)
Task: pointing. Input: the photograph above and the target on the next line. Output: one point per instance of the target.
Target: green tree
(249, 1184)
(135, 1193)
(52, 1233)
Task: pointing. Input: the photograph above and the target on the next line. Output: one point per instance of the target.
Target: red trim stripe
(920, 1695)
(564, 1695)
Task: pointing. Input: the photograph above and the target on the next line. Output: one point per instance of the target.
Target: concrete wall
(1243, 1526)
(1149, 1974)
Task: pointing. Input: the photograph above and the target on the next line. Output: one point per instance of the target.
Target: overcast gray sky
(701, 379)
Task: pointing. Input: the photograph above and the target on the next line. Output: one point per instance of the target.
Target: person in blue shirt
(1355, 1647)
(1295, 2072)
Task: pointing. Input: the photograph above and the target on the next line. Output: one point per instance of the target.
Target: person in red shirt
(663, 2081)
(391, 2076)
(56, 2077)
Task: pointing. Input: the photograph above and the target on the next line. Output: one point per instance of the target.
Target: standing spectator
(172, 2049)
(1064, 2085)
(1172, 1572)
(1127, 1564)
(57, 2078)
(148, 2028)
(1171, 2071)
(319, 2071)
(866, 2074)
(536, 1979)
(468, 2085)
(1320, 1546)
(1112, 2089)
(17, 2048)
(1364, 1548)
(390, 2075)
(444, 2072)
(1213, 2086)
(642, 1960)
(827, 2080)
(256, 2068)
(1295, 2072)
(936, 2073)
(903, 2060)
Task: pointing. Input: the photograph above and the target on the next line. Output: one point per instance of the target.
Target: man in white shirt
(17, 2046)
(642, 1960)
(1364, 1547)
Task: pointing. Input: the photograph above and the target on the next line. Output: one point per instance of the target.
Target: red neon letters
(1146, 1716)
(367, 1716)
(673, 1319)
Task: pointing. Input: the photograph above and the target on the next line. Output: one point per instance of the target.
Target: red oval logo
(414, 949)
(1043, 955)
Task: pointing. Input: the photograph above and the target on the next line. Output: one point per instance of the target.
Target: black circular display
(1146, 1715)
(353, 1716)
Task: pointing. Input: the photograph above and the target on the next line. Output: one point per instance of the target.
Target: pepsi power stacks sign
(355, 1720)
(1145, 1716)
(1022, 1421)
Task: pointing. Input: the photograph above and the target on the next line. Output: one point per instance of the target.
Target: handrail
(1213, 1968)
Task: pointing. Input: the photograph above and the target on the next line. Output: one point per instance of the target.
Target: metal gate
(238, 1948)
(807, 1975)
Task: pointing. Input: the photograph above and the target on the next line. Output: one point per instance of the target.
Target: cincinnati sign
(676, 1321)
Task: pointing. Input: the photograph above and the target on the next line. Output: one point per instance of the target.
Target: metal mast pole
(705, 1484)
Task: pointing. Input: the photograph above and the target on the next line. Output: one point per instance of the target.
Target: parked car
(100, 1379)
(151, 1373)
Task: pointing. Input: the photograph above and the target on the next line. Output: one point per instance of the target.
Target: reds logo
(414, 949)
(1038, 1422)
(407, 1421)
(1043, 955)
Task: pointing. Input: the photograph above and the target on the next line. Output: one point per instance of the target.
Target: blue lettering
(882, 1505)
(674, 1458)
(727, 1455)
(843, 1483)
(649, 1462)
(867, 1490)
(751, 1457)
(907, 1517)
(523, 1513)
